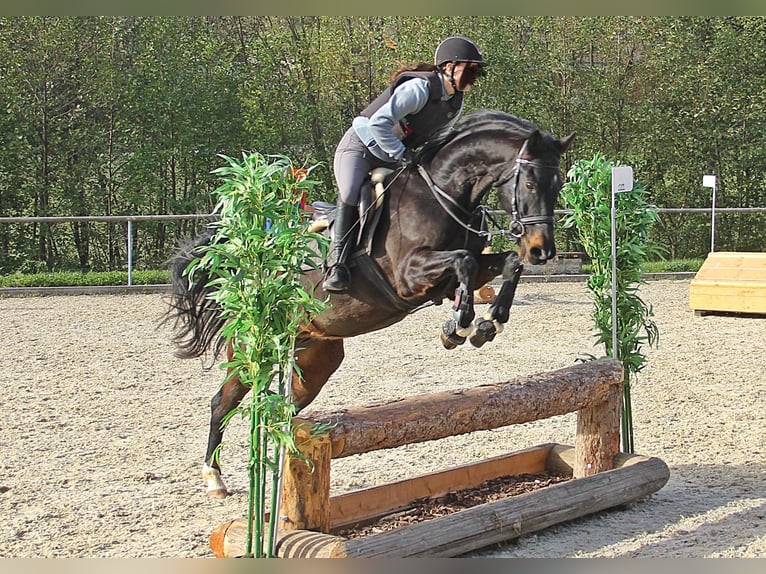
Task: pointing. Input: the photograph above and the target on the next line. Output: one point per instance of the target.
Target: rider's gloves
(408, 159)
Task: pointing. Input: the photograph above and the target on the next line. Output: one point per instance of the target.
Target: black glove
(409, 158)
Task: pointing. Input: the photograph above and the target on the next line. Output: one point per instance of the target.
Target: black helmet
(458, 49)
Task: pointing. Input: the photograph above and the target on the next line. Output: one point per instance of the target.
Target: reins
(444, 198)
(518, 224)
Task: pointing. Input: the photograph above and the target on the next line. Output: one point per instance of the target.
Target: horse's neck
(466, 180)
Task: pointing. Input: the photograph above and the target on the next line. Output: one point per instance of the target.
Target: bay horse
(427, 245)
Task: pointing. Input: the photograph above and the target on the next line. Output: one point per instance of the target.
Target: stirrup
(337, 279)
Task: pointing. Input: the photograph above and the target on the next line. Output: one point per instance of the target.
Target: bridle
(518, 224)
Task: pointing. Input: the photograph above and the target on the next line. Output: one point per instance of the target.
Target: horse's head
(492, 149)
(528, 191)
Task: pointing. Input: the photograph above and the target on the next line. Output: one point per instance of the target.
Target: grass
(675, 266)
(159, 277)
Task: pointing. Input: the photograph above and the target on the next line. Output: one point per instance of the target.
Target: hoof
(219, 493)
(214, 483)
(450, 339)
(485, 332)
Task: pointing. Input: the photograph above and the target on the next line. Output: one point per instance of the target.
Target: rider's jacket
(438, 112)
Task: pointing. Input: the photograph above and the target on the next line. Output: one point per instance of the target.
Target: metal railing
(130, 219)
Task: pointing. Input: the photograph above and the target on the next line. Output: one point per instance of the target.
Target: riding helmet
(458, 49)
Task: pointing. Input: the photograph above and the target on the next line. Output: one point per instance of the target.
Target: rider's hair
(419, 67)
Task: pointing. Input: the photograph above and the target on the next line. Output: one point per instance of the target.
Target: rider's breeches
(352, 165)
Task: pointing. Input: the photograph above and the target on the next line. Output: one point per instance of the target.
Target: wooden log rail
(431, 416)
(593, 389)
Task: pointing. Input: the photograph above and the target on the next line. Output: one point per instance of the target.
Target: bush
(91, 279)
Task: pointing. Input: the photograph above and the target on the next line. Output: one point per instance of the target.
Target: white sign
(622, 178)
(708, 181)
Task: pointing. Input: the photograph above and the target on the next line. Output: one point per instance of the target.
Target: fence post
(130, 252)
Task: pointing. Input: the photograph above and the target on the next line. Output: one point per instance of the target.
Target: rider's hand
(408, 159)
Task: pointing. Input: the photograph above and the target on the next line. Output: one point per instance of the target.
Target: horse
(427, 244)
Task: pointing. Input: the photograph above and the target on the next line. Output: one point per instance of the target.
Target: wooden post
(598, 435)
(306, 483)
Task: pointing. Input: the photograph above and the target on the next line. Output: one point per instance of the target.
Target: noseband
(518, 224)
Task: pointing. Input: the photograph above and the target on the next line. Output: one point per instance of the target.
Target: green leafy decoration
(256, 262)
(587, 193)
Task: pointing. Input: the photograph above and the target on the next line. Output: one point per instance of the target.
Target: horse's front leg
(424, 269)
(498, 312)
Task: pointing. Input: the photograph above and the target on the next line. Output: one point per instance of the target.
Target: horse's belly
(349, 319)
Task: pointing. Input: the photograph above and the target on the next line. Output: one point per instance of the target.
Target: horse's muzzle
(537, 252)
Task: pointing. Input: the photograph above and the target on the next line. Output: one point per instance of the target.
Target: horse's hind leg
(317, 360)
(227, 398)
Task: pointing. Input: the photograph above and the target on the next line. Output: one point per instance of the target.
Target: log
(598, 435)
(484, 294)
(432, 416)
(306, 488)
(229, 541)
(634, 477)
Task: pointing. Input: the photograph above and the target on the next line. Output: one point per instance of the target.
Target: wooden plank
(730, 299)
(512, 517)
(438, 415)
(561, 460)
(365, 506)
(730, 282)
(733, 265)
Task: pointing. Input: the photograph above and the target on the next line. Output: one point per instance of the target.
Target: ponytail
(419, 67)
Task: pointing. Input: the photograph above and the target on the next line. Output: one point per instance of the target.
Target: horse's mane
(482, 119)
(475, 121)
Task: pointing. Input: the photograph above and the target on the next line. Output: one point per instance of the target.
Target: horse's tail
(196, 319)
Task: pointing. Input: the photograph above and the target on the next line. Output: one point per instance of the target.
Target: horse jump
(308, 513)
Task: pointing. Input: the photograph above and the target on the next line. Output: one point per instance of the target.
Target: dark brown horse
(426, 245)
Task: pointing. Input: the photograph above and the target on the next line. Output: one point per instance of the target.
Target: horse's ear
(567, 141)
(535, 140)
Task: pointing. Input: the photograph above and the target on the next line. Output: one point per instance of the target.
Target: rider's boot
(338, 277)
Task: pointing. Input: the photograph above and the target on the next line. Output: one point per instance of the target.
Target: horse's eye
(530, 185)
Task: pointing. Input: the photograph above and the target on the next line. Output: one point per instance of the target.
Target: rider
(419, 100)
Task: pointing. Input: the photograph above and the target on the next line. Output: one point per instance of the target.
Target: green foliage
(77, 279)
(126, 115)
(587, 193)
(255, 261)
(673, 266)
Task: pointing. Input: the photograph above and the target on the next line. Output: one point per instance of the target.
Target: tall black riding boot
(338, 276)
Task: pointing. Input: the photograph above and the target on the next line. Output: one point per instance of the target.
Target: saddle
(370, 208)
(370, 204)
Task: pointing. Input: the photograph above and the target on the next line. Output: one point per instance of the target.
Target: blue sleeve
(408, 98)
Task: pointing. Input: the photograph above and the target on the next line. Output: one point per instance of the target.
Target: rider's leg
(338, 277)
(351, 166)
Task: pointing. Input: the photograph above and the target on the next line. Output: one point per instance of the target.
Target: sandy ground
(102, 430)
